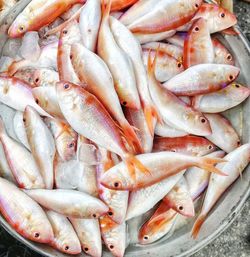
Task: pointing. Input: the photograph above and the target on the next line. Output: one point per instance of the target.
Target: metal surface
(181, 244)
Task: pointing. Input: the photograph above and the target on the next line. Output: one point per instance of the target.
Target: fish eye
(196, 5)
(66, 86)
(229, 57)
(94, 215)
(36, 235)
(238, 143)
(180, 208)
(222, 15)
(231, 77)
(37, 101)
(116, 184)
(203, 120)
(124, 103)
(86, 249)
(66, 248)
(21, 28)
(111, 247)
(196, 29)
(110, 213)
(36, 80)
(24, 120)
(72, 144)
(146, 237)
(65, 31)
(237, 85)
(210, 147)
(179, 64)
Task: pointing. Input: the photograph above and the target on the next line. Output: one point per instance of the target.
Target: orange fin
(197, 225)
(208, 164)
(150, 112)
(106, 7)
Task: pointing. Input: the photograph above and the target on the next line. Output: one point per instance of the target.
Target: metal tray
(181, 244)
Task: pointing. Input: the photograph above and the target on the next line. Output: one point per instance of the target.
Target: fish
(179, 199)
(172, 110)
(222, 100)
(117, 5)
(147, 38)
(24, 214)
(223, 134)
(118, 62)
(167, 15)
(116, 200)
(68, 36)
(46, 98)
(65, 138)
(87, 64)
(202, 79)
(128, 43)
(89, 234)
(164, 130)
(75, 104)
(11, 87)
(114, 236)
(221, 53)
(166, 66)
(161, 165)
(89, 23)
(70, 203)
(37, 14)
(19, 129)
(65, 238)
(198, 46)
(20, 161)
(191, 145)
(42, 144)
(237, 160)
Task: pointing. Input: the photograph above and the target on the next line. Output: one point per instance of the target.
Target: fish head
(66, 145)
(240, 91)
(28, 114)
(19, 27)
(70, 34)
(68, 245)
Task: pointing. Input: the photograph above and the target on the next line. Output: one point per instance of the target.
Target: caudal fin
(132, 163)
(197, 225)
(207, 163)
(150, 114)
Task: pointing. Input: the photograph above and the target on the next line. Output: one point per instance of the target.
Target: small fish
(42, 144)
(221, 53)
(202, 79)
(89, 234)
(37, 14)
(21, 162)
(223, 134)
(222, 100)
(191, 145)
(70, 203)
(237, 160)
(65, 238)
(24, 214)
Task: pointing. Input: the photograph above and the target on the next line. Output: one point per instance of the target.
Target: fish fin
(208, 164)
(132, 138)
(150, 112)
(230, 31)
(152, 64)
(106, 7)
(197, 225)
(132, 163)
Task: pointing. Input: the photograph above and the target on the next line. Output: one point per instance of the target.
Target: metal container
(181, 243)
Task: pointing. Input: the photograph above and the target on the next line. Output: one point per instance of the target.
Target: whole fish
(19, 129)
(198, 46)
(89, 118)
(89, 23)
(121, 4)
(46, 98)
(88, 232)
(21, 162)
(116, 200)
(237, 160)
(166, 15)
(65, 138)
(65, 238)
(42, 144)
(191, 145)
(87, 64)
(11, 87)
(24, 214)
(70, 203)
(172, 110)
(68, 36)
(161, 165)
(165, 130)
(223, 134)
(166, 66)
(119, 63)
(202, 79)
(180, 200)
(114, 236)
(221, 53)
(147, 38)
(130, 45)
(150, 195)
(222, 100)
(37, 14)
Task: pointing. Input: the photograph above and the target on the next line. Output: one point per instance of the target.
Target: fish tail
(132, 163)
(132, 138)
(151, 113)
(207, 163)
(197, 225)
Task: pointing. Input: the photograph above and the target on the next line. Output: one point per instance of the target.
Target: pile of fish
(110, 109)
